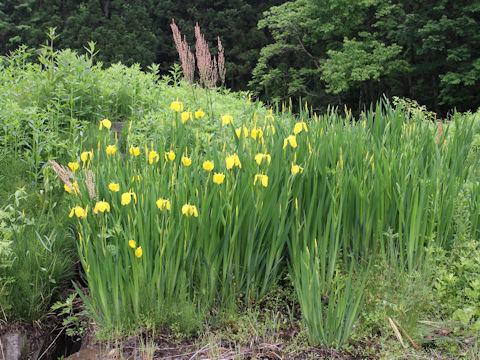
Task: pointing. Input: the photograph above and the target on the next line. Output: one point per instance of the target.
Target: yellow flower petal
(208, 165)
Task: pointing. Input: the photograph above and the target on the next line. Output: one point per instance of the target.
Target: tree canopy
(352, 52)
(338, 52)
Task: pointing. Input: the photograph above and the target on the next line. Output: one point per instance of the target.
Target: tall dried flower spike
(186, 57)
(90, 182)
(221, 61)
(64, 173)
(203, 56)
(213, 73)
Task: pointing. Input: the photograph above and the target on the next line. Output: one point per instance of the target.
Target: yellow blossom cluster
(189, 210)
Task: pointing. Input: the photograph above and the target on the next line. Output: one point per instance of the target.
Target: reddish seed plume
(221, 61)
(213, 72)
(186, 56)
(204, 59)
(209, 68)
(440, 130)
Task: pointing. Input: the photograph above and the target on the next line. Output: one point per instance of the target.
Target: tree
(358, 50)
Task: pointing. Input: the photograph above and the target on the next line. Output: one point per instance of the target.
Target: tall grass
(321, 193)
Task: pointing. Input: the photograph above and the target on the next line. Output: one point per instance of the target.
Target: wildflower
(227, 119)
(229, 162)
(132, 244)
(73, 166)
(256, 133)
(153, 155)
(105, 122)
(299, 126)
(296, 169)
(74, 188)
(199, 114)
(259, 158)
(218, 178)
(84, 156)
(185, 116)
(138, 252)
(79, 212)
(239, 132)
(292, 140)
(186, 161)
(163, 203)
(233, 160)
(262, 178)
(114, 187)
(111, 149)
(135, 151)
(237, 161)
(101, 206)
(269, 117)
(169, 155)
(270, 129)
(127, 198)
(189, 210)
(208, 165)
(176, 106)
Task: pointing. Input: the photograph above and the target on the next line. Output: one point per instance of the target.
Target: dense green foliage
(350, 52)
(139, 31)
(328, 52)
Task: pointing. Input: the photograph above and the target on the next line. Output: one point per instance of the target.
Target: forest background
(344, 52)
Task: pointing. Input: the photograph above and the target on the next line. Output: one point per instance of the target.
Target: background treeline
(342, 52)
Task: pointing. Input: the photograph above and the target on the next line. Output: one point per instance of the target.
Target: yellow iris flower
(257, 133)
(163, 204)
(186, 161)
(114, 187)
(218, 178)
(259, 158)
(127, 198)
(229, 162)
(111, 149)
(185, 116)
(135, 151)
(132, 244)
(208, 165)
(138, 252)
(101, 206)
(75, 189)
(239, 132)
(84, 156)
(262, 178)
(199, 114)
(227, 119)
(176, 106)
(189, 210)
(153, 156)
(105, 122)
(169, 155)
(79, 212)
(299, 126)
(73, 166)
(291, 140)
(296, 169)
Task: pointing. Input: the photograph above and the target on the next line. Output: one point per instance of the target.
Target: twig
(199, 351)
(51, 344)
(1, 347)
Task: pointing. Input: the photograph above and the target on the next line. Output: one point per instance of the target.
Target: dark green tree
(353, 52)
